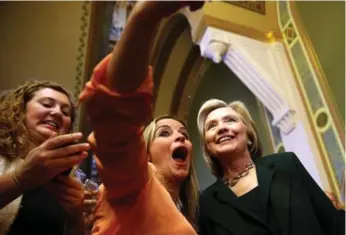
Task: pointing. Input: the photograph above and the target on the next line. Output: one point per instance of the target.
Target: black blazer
(299, 204)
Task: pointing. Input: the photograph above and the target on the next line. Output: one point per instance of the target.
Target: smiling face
(47, 113)
(170, 150)
(225, 133)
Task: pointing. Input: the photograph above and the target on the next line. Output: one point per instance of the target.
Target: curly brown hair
(14, 138)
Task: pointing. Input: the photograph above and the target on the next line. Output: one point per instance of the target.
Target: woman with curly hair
(36, 145)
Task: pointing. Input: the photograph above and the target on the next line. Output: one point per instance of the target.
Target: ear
(149, 157)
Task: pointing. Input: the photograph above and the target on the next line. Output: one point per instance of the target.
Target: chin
(227, 150)
(43, 135)
(181, 174)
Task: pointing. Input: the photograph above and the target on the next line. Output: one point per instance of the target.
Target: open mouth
(180, 154)
(225, 138)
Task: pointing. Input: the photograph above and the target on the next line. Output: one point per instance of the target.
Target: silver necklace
(232, 182)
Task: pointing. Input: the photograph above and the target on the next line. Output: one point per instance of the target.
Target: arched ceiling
(177, 60)
(174, 56)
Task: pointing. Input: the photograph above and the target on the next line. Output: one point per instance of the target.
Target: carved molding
(215, 50)
(255, 6)
(259, 65)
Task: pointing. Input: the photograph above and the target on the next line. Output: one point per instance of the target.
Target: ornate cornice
(256, 65)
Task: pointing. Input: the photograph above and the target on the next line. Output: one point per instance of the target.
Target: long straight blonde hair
(189, 190)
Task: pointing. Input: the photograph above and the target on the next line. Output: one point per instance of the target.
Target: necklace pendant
(232, 183)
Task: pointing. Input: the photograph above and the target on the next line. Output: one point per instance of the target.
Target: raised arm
(119, 99)
(131, 54)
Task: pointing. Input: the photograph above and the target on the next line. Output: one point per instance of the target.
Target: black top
(254, 202)
(295, 203)
(39, 213)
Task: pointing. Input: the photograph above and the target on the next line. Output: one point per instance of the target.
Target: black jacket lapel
(280, 198)
(264, 177)
(224, 194)
(222, 211)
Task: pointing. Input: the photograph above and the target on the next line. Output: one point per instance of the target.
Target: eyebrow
(167, 126)
(230, 116)
(223, 118)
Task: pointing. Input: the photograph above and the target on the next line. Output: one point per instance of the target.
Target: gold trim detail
(255, 6)
(320, 75)
(80, 58)
(301, 73)
(322, 120)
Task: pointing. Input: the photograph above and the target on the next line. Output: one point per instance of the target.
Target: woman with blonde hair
(36, 145)
(183, 189)
(169, 153)
(119, 103)
(252, 195)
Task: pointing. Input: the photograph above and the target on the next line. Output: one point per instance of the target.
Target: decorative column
(263, 67)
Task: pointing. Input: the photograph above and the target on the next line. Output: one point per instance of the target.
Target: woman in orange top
(169, 152)
(136, 201)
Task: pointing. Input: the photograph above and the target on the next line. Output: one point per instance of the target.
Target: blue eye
(211, 126)
(164, 133)
(231, 120)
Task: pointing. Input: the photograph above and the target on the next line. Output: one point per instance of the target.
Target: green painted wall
(325, 25)
(219, 82)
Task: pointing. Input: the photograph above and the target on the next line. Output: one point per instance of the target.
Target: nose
(223, 128)
(56, 112)
(180, 138)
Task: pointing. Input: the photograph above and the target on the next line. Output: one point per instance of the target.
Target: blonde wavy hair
(189, 189)
(14, 136)
(254, 147)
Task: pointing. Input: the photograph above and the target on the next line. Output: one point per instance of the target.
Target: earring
(249, 143)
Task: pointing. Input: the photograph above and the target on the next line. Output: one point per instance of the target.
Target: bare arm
(8, 190)
(48, 160)
(131, 54)
(119, 99)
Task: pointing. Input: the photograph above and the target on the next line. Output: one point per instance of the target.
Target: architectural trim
(309, 80)
(81, 57)
(255, 64)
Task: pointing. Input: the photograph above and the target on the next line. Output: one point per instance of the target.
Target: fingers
(89, 205)
(91, 194)
(66, 188)
(67, 162)
(69, 195)
(69, 182)
(69, 150)
(62, 140)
